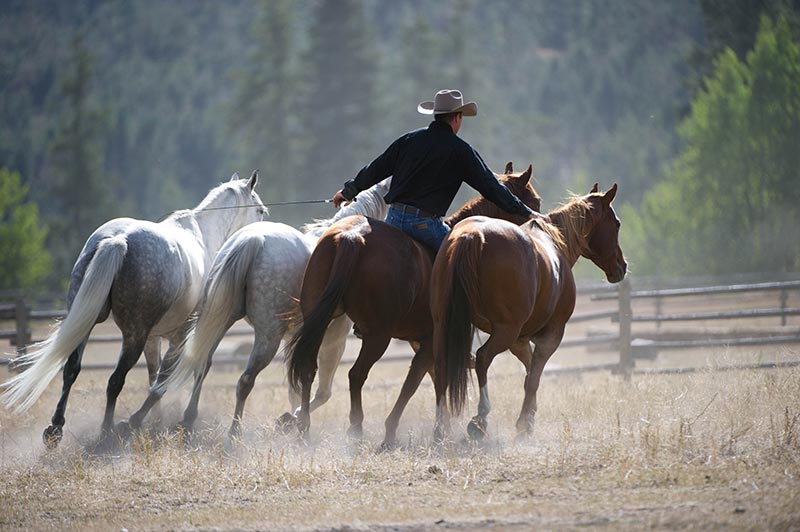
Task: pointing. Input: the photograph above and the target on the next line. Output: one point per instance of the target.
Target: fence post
(22, 315)
(784, 300)
(625, 316)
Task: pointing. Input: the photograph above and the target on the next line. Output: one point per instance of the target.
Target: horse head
(603, 238)
(520, 185)
(247, 203)
(517, 183)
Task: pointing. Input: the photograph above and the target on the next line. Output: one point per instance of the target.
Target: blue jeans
(431, 231)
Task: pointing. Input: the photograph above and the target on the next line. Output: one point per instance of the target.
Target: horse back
(510, 275)
(388, 290)
(161, 274)
(275, 276)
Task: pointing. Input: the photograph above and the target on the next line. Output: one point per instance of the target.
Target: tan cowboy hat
(448, 101)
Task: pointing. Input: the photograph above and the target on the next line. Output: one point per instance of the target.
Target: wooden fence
(627, 340)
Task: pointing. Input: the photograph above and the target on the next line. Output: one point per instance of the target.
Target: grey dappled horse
(257, 275)
(151, 277)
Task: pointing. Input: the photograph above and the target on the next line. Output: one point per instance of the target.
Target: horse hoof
(476, 428)
(388, 446)
(355, 433)
(286, 423)
(523, 437)
(182, 427)
(123, 430)
(439, 437)
(52, 436)
(236, 432)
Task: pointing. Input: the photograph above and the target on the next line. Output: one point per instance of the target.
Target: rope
(273, 204)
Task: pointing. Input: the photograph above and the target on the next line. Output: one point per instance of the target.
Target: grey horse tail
(461, 295)
(224, 295)
(304, 346)
(46, 358)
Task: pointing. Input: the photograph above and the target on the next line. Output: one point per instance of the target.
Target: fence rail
(631, 344)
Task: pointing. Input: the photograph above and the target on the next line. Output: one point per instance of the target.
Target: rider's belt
(410, 209)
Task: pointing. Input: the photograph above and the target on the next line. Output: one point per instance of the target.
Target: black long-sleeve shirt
(427, 167)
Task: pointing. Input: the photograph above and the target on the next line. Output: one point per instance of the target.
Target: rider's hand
(339, 199)
(537, 216)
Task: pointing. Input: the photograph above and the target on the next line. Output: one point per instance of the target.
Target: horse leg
(441, 427)
(330, 354)
(266, 345)
(190, 413)
(372, 348)
(165, 368)
(131, 351)
(328, 359)
(53, 433)
(303, 415)
(546, 345)
(500, 339)
(152, 356)
(421, 364)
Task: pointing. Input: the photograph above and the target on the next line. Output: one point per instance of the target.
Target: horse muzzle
(617, 274)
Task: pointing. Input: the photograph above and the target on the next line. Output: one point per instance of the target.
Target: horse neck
(573, 221)
(218, 217)
(369, 203)
(202, 229)
(482, 207)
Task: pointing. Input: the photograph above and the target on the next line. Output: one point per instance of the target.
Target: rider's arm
(480, 177)
(378, 170)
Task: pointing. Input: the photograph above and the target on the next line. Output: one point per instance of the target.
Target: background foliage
(113, 108)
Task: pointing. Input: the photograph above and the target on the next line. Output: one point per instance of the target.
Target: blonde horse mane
(570, 228)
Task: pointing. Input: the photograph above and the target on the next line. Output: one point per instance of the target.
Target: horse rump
(460, 295)
(341, 251)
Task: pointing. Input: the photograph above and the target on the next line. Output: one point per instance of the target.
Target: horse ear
(527, 174)
(253, 180)
(608, 197)
(594, 189)
(235, 176)
(509, 168)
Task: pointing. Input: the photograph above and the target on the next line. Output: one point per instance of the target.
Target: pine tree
(264, 115)
(732, 204)
(24, 261)
(338, 108)
(80, 193)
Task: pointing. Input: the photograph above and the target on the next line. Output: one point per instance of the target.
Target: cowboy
(428, 166)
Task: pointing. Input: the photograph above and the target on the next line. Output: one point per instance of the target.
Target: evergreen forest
(112, 108)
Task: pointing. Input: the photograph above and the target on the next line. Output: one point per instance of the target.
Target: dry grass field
(708, 450)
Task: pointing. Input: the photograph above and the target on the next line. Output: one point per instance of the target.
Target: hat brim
(468, 109)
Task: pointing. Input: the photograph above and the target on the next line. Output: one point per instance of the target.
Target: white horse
(257, 275)
(151, 277)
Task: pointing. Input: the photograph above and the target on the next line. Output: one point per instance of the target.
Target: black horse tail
(461, 296)
(304, 346)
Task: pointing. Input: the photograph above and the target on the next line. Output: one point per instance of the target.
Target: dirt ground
(706, 450)
(711, 450)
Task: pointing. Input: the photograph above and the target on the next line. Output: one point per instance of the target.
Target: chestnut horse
(379, 277)
(516, 284)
